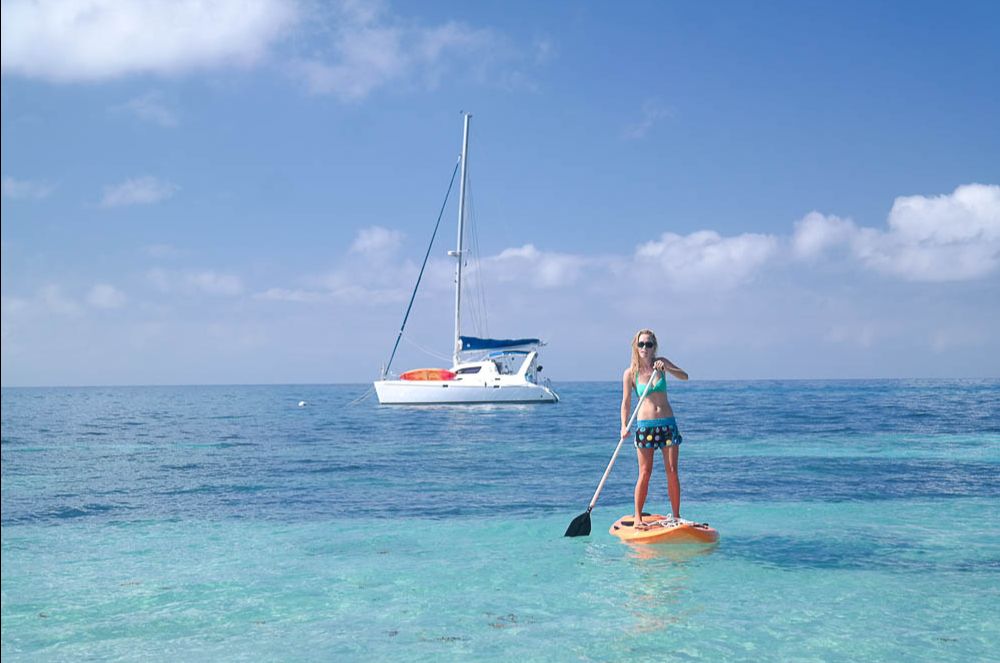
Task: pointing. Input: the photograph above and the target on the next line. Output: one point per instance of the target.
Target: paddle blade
(580, 525)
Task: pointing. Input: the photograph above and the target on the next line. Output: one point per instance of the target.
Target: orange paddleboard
(662, 530)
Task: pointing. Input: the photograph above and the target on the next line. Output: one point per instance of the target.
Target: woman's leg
(670, 455)
(645, 457)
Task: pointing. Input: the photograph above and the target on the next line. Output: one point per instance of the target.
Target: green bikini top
(659, 385)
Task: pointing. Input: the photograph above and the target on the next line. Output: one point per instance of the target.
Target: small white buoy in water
(302, 403)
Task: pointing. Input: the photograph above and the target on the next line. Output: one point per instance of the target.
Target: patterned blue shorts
(657, 434)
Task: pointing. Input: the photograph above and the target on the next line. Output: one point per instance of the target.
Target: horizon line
(369, 382)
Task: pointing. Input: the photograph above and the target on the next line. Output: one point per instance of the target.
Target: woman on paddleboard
(657, 428)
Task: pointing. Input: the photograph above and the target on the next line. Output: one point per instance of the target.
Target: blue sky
(241, 192)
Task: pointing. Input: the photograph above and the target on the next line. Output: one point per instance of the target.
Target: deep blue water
(103, 486)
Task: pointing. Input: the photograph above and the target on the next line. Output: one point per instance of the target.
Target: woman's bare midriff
(656, 406)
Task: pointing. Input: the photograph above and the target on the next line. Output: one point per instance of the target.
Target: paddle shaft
(614, 456)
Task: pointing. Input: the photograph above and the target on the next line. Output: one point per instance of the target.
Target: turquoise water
(858, 521)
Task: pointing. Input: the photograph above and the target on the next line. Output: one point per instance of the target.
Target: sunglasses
(644, 344)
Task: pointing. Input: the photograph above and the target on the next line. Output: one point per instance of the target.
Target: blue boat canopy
(473, 343)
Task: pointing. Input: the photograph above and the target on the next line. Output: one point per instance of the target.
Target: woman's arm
(673, 368)
(626, 399)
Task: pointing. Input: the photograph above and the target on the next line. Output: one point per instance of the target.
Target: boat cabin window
(469, 371)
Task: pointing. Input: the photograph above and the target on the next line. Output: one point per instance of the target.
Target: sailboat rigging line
(385, 371)
(361, 397)
(425, 350)
(479, 310)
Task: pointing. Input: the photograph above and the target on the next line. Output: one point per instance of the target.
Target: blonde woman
(656, 428)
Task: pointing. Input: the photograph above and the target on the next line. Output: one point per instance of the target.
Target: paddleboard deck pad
(662, 529)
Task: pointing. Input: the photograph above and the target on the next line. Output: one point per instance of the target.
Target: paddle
(581, 524)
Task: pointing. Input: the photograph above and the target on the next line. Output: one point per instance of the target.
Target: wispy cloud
(53, 300)
(138, 191)
(151, 107)
(859, 334)
(11, 310)
(192, 282)
(650, 114)
(106, 296)
(354, 280)
(545, 50)
(213, 283)
(93, 40)
(377, 240)
(292, 295)
(25, 189)
(372, 48)
(963, 335)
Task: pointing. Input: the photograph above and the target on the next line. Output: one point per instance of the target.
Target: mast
(461, 233)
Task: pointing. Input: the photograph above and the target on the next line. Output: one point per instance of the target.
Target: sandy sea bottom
(846, 581)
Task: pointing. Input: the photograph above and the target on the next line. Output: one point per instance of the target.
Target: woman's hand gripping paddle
(581, 524)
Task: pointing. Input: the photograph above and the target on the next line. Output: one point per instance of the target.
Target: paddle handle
(614, 456)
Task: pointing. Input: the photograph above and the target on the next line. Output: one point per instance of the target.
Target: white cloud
(693, 264)
(703, 259)
(91, 40)
(706, 259)
(971, 213)
(25, 189)
(377, 240)
(138, 191)
(952, 237)
(541, 269)
(815, 233)
(348, 49)
(150, 107)
(106, 296)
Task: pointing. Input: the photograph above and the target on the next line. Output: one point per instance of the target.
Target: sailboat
(484, 370)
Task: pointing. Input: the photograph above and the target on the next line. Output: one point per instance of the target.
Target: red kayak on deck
(428, 374)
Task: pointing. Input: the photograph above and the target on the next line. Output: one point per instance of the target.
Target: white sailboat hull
(435, 392)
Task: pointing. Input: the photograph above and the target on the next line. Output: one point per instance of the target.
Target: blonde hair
(634, 367)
